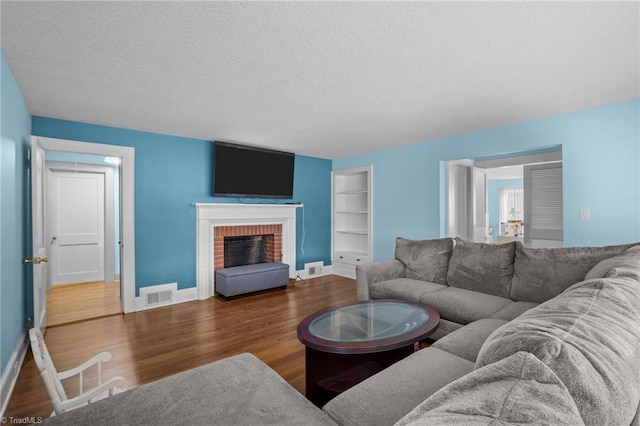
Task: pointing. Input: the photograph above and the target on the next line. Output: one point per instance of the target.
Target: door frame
(109, 228)
(39, 245)
(127, 215)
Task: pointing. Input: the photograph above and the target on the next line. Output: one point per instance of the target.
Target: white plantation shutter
(543, 205)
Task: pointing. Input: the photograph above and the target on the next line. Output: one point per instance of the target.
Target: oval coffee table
(346, 345)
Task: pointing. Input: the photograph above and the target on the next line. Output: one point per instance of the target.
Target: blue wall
(600, 151)
(15, 298)
(174, 172)
(493, 193)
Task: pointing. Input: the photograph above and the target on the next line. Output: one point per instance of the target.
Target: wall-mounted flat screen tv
(244, 171)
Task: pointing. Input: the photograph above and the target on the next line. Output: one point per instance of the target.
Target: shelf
(351, 231)
(351, 218)
(357, 192)
(350, 253)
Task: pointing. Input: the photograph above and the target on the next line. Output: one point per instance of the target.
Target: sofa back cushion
(540, 274)
(517, 390)
(425, 260)
(589, 336)
(482, 267)
(626, 264)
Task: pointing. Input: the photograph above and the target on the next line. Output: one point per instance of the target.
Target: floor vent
(158, 295)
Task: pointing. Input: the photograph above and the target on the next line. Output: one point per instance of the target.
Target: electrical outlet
(585, 214)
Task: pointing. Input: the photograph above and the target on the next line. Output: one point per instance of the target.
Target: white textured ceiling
(325, 79)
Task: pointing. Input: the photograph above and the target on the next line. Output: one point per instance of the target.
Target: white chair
(53, 379)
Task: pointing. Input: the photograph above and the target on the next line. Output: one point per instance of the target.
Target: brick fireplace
(215, 221)
(272, 237)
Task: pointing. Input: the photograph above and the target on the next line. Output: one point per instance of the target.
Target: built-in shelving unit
(351, 220)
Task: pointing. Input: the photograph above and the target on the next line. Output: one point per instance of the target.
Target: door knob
(37, 260)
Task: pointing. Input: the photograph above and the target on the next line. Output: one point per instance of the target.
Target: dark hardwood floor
(153, 344)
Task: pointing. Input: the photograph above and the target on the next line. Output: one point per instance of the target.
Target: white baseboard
(10, 374)
(189, 294)
(177, 296)
(326, 270)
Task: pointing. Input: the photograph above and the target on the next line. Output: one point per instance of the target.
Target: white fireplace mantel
(210, 215)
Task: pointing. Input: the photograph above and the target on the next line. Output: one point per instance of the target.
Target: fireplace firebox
(243, 250)
(247, 245)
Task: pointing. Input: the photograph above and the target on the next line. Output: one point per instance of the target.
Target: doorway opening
(509, 198)
(119, 218)
(82, 226)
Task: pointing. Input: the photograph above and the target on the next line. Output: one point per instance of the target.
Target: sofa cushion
(513, 310)
(463, 306)
(402, 288)
(540, 274)
(467, 341)
(238, 390)
(590, 337)
(482, 267)
(517, 390)
(386, 397)
(425, 260)
(445, 327)
(626, 264)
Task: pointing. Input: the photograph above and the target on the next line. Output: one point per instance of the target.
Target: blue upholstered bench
(249, 278)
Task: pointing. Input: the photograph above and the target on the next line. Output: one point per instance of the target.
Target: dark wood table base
(329, 374)
(377, 335)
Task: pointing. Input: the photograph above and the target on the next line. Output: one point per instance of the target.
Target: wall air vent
(159, 295)
(314, 268)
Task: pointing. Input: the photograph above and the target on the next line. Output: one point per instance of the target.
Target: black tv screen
(243, 171)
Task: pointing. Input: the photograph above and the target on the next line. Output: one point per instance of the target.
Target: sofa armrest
(370, 273)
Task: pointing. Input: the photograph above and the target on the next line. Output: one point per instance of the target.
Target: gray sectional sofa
(468, 281)
(546, 336)
(537, 336)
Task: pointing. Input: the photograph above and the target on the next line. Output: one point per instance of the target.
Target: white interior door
(479, 205)
(77, 227)
(458, 201)
(40, 243)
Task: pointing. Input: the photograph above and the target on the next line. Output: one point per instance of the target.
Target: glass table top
(368, 321)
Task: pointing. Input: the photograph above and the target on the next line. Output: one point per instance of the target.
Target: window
(511, 204)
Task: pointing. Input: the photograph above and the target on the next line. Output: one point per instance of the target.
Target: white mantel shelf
(210, 215)
(235, 211)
